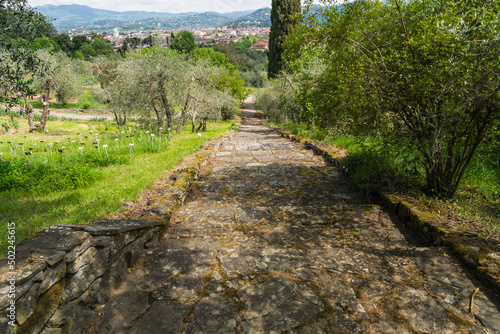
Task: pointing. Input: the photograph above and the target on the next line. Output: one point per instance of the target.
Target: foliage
(246, 42)
(19, 22)
(278, 100)
(78, 41)
(153, 81)
(62, 71)
(183, 41)
(129, 43)
(215, 58)
(423, 71)
(44, 43)
(64, 42)
(256, 65)
(150, 81)
(102, 47)
(283, 18)
(232, 54)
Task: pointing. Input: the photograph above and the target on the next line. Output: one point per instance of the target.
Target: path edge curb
(163, 207)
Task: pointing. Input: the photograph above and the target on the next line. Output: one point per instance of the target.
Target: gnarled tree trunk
(166, 105)
(29, 112)
(45, 104)
(186, 107)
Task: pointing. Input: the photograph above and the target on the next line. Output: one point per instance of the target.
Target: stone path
(271, 240)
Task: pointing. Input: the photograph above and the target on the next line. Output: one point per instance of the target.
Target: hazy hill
(78, 16)
(261, 18)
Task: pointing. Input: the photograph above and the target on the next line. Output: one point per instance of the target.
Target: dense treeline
(422, 75)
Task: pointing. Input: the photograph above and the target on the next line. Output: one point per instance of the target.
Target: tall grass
(78, 186)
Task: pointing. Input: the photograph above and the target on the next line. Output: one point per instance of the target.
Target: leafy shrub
(99, 119)
(69, 119)
(86, 105)
(6, 126)
(373, 163)
(13, 119)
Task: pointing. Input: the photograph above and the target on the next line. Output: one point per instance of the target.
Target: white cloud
(170, 6)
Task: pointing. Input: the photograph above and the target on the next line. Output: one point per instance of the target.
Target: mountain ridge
(77, 16)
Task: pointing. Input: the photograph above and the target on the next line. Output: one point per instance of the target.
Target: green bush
(373, 163)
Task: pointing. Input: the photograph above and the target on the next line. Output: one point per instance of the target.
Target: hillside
(259, 18)
(79, 16)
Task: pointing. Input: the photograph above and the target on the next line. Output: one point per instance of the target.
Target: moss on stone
(458, 320)
(45, 306)
(245, 228)
(224, 190)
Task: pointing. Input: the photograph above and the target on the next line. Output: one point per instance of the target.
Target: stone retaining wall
(428, 227)
(63, 271)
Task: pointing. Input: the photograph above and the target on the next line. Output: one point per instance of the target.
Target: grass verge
(32, 211)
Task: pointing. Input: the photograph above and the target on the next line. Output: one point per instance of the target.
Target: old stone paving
(271, 240)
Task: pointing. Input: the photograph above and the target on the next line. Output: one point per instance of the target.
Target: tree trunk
(166, 105)
(186, 107)
(119, 120)
(193, 120)
(200, 126)
(29, 112)
(45, 104)
(205, 123)
(157, 109)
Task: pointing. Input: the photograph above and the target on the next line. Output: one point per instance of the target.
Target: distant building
(261, 44)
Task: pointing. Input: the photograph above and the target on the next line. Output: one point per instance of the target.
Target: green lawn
(33, 210)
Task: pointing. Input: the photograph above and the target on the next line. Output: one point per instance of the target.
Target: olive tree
(148, 81)
(60, 75)
(210, 96)
(19, 24)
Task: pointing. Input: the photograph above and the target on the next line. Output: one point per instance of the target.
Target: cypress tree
(282, 22)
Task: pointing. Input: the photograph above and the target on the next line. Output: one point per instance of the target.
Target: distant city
(203, 36)
(208, 28)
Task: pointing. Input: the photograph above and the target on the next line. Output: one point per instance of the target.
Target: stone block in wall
(52, 331)
(82, 260)
(45, 307)
(74, 253)
(63, 314)
(26, 303)
(77, 283)
(117, 273)
(114, 227)
(52, 276)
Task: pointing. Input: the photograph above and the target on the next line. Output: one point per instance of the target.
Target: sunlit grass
(33, 211)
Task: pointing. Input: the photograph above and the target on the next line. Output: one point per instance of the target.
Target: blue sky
(170, 6)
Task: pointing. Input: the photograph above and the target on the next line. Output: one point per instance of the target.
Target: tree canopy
(19, 25)
(183, 41)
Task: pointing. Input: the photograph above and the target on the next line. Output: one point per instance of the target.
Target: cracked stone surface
(272, 240)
